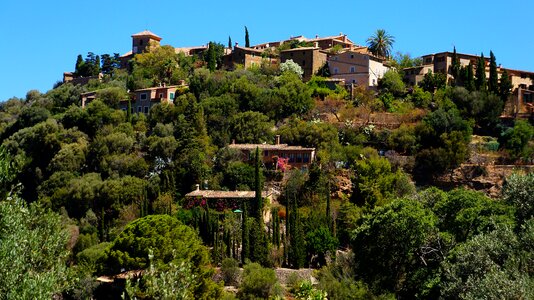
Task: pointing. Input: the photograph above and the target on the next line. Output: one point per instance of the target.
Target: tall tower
(142, 40)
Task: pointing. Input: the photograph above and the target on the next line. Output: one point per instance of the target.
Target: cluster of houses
(347, 63)
(520, 104)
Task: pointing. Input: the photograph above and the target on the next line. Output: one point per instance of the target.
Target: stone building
(310, 59)
(295, 156)
(358, 68)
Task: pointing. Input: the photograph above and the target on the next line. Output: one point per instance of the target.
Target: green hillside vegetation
(94, 191)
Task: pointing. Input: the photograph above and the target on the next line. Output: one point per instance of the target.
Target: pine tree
(229, 42)
(480, 82)
(247, 40)
(455, 67)
(258, 200)
(505, 86)
(493, 84)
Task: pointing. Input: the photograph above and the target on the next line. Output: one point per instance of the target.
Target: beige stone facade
(357, 68)
(248, 57)
(310, 59)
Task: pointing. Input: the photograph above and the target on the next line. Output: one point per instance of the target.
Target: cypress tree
(247, 40)
(212, 57)
(229, 42)
(129, 112)
(328, 212)
(455, 67)
(505, 86)
(296, 251)
(493, 84)
(258, 200)
(480, 83)
(245, 245)
(79, 64)
(259, 242)
(470, 80)
(96, 67)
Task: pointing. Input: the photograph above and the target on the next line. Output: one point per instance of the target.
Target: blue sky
(41, 39)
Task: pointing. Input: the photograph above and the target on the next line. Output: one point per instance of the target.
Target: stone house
(248, 57)
(294, 156)
(357, 68)
(310, 59)
(143, 99)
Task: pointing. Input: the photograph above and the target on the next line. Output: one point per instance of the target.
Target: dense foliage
(95, 191)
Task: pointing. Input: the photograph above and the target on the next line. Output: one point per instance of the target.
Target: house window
(303, 62)
(299, 157)
(523, 75)
(146, 109)
(428, 60)
(306, 158)
(353, 80)
(139, 109)
(291, 157)
(160, 95)
(352, 69)
(171, 96)
(265, 153)
(527, 97)
(374, 81)
(142, 96)
(291, 54)
(352, 56)
(336, 70)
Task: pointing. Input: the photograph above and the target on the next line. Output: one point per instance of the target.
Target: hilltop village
(304, 168)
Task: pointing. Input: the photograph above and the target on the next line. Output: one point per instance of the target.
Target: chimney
(236, 44)
(277, 139)
(316, 36)
(197, 187)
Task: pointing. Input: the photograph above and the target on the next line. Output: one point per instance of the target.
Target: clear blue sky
(41, 39)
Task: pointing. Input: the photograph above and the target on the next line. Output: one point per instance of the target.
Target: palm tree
(380, 43)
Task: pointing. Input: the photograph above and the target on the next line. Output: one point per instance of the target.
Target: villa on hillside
(280, 156)
(220, 200)
(357, 68)
(143, 99)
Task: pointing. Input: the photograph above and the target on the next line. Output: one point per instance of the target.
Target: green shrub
(258, 282)
(230, 271)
